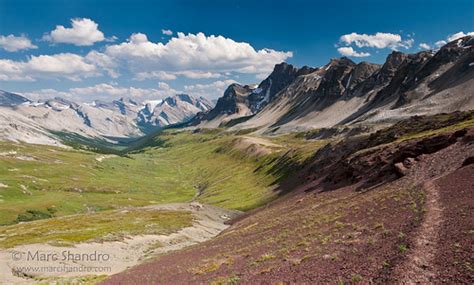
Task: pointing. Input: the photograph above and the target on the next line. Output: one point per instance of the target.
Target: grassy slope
(341, 236)
(65, 182)
(223, 178)
(106, 225)
(38, 182)
(74, 182)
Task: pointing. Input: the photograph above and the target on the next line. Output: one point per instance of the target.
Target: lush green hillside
(39, 182)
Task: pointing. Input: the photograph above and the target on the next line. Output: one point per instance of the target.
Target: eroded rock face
(380, 157)
(337, 73)
(345, 93)
(244, 100)
(388, 163)
(282, 76)
(234, 101)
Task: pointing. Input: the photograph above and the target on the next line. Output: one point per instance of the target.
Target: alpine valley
(345, 173)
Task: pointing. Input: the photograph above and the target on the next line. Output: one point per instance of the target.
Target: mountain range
(340, 93)
(345, 93)
(342, 174)
(39, 122)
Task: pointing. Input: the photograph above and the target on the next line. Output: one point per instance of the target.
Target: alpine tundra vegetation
(236, 142)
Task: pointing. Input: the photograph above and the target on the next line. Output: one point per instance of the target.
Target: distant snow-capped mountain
(35, 122)
(171, 110)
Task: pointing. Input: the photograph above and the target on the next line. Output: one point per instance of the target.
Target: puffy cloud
(190, 56)
(211, 90)
(104, 62)
(458, 35)
(198, 74)
(349, 51)
(109, 90)
(43, 94)
(193, 56)
(261, 76)
(167, 32)
(424, 46)
(163, 75)
(13, 71)
(84, 32)
(378, 40)
(452, 37)
(12, 43)
(440, 43)
(63, 65)
(106, 91)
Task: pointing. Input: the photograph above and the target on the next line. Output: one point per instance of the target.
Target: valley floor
(390, 206)
(18, 264)
(417, 228)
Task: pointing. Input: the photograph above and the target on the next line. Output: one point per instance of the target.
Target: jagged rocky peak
(362, 71)
(365, 69)
(339, 62)
(125, 100)
(337, 67)
(235, 98)
(59, 104)
(336, 77)
(125, 105)
(391, 65)
(464, 42)
(185, 98)
(282, 76)
(171, 110)
(452, 51)
(235, 90)
(180, 99)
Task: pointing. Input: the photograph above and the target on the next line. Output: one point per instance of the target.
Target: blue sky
(99, 57)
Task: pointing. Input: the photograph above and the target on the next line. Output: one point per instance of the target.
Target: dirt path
(418, 266)
(209, 222)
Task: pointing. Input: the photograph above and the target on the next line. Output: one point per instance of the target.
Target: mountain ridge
(345, 93)
(37, 122)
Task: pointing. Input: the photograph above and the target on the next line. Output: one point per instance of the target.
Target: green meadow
(39, 185)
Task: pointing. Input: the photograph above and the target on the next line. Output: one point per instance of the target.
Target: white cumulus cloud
(63, 65)
(440, 43)
(377, 40)
(44, 94)
(211, 90)
(458, 35)
(163, 75)
(13, 43)
(349, 51)
(167, 32)
(424, 46)
(192, 56)
(108, 90)
(84, 32)
(105, 91)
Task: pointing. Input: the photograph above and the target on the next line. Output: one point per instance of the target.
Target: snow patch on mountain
(35, 122)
